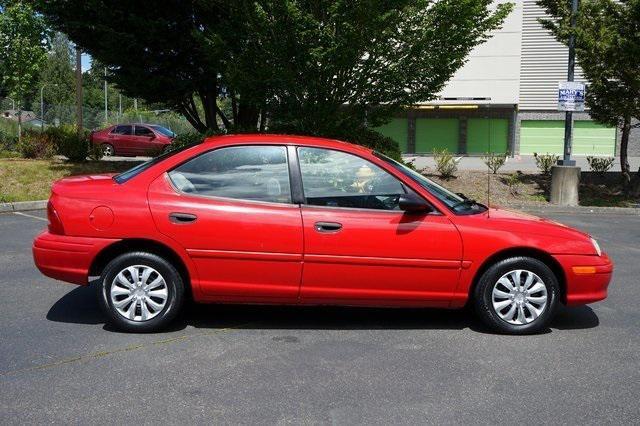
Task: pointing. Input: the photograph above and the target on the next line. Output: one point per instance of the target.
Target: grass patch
(27, 180)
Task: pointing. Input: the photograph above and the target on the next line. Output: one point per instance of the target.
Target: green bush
(185, 139)
(495, 161)
(513, 182)
(544, 162)
(446, 164)
(36, 145)
(600, 165)
(95, 152)
(73, 146)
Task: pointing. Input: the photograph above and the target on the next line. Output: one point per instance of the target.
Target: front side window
(143, 131)
(337, 179)
(122, 130)
(257, 173)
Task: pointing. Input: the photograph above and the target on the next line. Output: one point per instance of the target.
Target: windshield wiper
(466, 202)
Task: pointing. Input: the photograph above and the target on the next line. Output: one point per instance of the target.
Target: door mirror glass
(413, 204)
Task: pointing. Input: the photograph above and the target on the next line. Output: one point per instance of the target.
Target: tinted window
(136, 170)
(143, 131)
(122, 130)
(337, 179)
(258, 173)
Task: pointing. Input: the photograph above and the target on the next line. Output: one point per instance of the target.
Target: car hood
(509, 220)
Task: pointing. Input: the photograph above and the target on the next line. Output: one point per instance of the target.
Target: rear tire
(518, 295)
(108, 150)
(140, 292)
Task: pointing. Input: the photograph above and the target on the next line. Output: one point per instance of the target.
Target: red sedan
(133, 139)
(308, 221)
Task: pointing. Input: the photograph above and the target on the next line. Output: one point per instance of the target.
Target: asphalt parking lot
(59, 363)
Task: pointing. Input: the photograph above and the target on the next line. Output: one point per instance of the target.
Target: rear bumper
(587, 277)
(67, 258)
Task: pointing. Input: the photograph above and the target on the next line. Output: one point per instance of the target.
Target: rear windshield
(135, 171)
(163, 130)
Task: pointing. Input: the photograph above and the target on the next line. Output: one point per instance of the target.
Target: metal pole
(42, 107)
(120, 105)
(79, 90)
(106, 110)
(568, 120)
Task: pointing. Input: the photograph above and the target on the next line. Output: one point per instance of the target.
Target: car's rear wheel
(108, 150)
(140, 292)
(517, 295)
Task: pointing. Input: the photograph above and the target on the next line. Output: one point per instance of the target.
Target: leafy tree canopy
(306, 65)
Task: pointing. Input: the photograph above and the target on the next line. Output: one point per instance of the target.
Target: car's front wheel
(140, 292)
(517, 295)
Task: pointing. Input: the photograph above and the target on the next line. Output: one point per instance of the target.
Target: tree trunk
(624, 161)
(79, 124)
(187, 109)
(247, 117)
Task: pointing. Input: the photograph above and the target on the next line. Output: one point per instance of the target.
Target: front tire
(140, 292)
(518, 295)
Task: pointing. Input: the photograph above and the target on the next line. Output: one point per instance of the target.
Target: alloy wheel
(519, 297)
(107, 150)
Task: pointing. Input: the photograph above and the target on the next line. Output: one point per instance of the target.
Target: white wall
(493, 68)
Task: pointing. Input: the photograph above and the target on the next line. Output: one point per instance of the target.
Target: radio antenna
(489, 172)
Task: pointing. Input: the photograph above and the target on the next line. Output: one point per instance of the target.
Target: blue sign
(571, 96)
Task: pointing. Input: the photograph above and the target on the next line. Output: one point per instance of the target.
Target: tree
(57, 79)
(306, 65)
(607, 37)
(23, 42)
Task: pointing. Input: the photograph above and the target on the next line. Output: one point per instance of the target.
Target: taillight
(55, 224)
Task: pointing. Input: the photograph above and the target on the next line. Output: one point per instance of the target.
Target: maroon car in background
(133, 139)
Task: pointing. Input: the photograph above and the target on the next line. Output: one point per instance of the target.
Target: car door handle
(328, 226)
(182, 218)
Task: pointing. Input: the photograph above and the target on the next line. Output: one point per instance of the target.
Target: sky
(86, 61)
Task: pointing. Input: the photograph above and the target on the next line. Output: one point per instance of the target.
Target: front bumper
(67, 258)
(587, 277)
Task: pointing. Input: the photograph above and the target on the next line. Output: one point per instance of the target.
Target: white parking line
(31, 216)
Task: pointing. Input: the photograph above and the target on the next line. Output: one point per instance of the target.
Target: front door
(231, 209)
(360, 248)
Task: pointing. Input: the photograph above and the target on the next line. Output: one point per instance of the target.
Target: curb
(626, 211)
(19, 206)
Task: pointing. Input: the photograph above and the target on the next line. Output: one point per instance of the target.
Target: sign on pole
(571, 96)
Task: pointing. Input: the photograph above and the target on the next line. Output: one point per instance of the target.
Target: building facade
(504, 99)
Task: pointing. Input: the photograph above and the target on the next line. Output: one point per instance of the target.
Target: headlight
(596, 246)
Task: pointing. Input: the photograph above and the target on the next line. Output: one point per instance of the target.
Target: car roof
(265, 138)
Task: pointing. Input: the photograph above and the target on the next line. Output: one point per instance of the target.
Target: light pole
(565, 176)
(106, 105)
(571, 67)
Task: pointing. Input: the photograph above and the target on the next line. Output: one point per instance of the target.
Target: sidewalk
(524, 163)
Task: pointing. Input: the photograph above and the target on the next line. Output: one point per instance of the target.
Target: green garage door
(436, 133)
(547, 136)
(481, 131)
(396, 129)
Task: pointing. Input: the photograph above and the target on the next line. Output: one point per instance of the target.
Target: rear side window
(257, 173)
(143, 131)
(122, 130)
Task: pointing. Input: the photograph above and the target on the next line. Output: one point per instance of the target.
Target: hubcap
(519, 297)
(107, 151)
(139, 293)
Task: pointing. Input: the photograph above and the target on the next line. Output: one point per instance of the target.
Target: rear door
(360, 248)
(231, 208)
(121, 139)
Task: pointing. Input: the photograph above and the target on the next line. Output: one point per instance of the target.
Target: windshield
(163, 130)
(135, 171)
(455, 202)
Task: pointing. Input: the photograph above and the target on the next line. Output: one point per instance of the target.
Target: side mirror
(413, 204)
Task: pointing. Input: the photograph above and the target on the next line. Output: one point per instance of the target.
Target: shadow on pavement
(80, 306)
